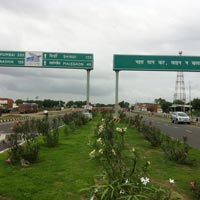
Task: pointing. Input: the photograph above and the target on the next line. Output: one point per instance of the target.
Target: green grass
(63, 171)
(161, 169)
(60, 173)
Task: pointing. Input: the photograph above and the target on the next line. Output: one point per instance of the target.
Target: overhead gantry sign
(36, 59)
(153, 63)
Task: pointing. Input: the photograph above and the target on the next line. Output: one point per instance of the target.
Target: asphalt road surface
(177, 131)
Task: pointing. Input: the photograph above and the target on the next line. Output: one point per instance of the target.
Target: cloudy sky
(103, 28)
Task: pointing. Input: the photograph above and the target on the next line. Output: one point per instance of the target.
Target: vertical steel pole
(116, 86)
(190, 99)
(88, 87)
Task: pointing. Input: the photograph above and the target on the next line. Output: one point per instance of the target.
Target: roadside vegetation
(101, 159)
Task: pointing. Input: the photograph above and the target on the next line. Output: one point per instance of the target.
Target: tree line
(48, 103)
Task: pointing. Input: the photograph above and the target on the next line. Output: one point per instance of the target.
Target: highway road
(177, 130)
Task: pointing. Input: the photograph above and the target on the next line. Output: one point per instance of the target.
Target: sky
(102, 28)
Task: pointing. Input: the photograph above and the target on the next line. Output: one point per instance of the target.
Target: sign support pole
(116, 86)
(88, 87)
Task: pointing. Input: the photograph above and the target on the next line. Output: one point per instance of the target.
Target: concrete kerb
(14, 119)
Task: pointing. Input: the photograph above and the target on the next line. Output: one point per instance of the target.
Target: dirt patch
(4, 198)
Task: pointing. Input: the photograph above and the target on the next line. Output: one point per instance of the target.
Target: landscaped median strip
(14, 119)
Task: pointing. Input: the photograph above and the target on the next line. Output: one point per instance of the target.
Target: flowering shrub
(152, 134)
(29, 151)
(137, 122)
(73, 120)
(106, 113)
(75, 117)
(176, 151)
(122, 115)
(195, 187)
(124, 176)
(49, 130)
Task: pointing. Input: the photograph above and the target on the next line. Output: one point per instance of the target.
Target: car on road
(180, 117)
(87, 114)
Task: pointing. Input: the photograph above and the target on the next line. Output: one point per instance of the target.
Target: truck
(6, 104)
(28, 108)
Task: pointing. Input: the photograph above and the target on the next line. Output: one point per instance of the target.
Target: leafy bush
(66, 130)
(72, 126)
(74, 120)
(30, 149)
(31, 152)
(152, 134)
(176, 151)
(15, 153)
(52, 137)
(43, 126)
(137, 122)
(122, 115)
(67, 118)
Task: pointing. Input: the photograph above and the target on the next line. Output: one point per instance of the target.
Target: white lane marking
(175, 127)
(189, 131)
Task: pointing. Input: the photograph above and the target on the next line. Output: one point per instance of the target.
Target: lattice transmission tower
(180, 86)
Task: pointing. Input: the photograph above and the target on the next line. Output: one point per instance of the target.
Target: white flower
(124, 129)
(92, 197)
(92, 154)
(100, 129)
(148, 162)
(171, 181)
(113, 151)
(96, 190)
(133, 149)
(119, 129)
(126, 181)
(103, 120)
(144, 180)
(99, 140)
(122, 192)
(101, 151)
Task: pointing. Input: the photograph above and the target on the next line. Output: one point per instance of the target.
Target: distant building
(180, 107)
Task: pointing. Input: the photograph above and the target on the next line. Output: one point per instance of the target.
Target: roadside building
(180, 107)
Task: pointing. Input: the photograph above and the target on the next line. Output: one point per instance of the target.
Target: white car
(180, 117)
(87, 114)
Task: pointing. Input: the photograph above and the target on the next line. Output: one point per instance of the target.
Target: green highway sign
(156, 63)
(46, 60)
(11, 59)
(67, 60)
